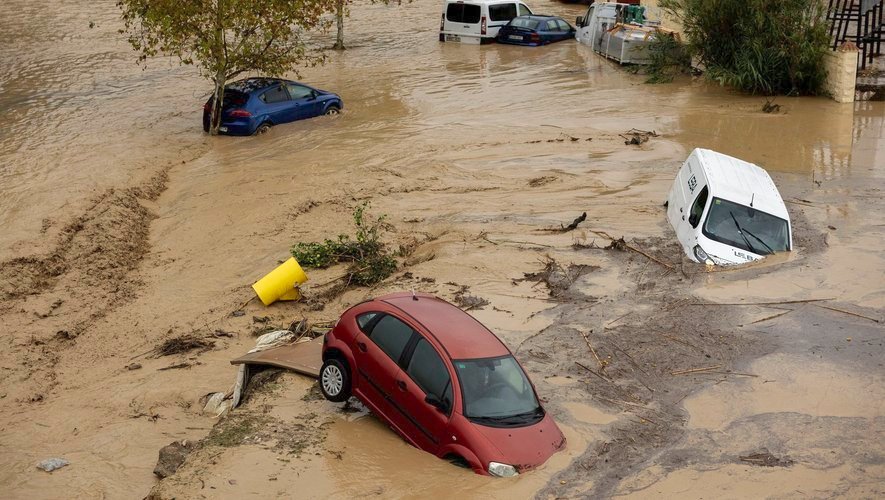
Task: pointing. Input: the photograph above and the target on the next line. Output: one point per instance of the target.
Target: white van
(477, 21)
(727, 211)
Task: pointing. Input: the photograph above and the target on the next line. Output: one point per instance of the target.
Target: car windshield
(497, 389)
(524, 23)
(746, 228)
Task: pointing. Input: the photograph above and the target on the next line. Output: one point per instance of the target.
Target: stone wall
(842, 72)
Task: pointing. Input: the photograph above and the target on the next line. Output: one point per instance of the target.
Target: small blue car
(535, 30)
(254, 105)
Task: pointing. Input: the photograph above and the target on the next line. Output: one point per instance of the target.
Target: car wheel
(335, 380)
(333, 110)
(263, 128)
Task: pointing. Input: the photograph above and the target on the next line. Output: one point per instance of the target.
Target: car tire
(263, 128)
(332, 110)
(335, 380)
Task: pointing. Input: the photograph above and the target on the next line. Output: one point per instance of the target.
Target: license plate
(453, 38)
(514, 37)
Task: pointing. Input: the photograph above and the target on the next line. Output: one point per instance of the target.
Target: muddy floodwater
(125, 226)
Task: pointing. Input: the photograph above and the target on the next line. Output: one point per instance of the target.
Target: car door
(689, 225)
(304, 102)
(377, 350)
(277, 105)
(425, 375)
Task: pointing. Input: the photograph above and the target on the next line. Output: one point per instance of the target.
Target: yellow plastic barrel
(280, 283)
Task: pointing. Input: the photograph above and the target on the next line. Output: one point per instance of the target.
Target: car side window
(297, 92)
(552, 26)
(563, 26)
(524, 11)
(391, 335)
(276, 94)
(697, 209)
(364, 319)
(430, 373)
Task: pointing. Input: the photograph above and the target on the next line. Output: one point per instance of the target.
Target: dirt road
(125, 231)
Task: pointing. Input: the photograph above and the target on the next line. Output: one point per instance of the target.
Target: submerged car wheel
(263, 128)
(335, 380)
(333, 110)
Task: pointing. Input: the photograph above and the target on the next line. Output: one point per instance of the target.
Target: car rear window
(463, 13)
(502, 11)
(524, 23)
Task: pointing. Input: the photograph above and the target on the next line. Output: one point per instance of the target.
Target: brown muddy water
(124, 226)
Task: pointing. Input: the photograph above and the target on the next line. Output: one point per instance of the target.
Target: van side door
(690, 221)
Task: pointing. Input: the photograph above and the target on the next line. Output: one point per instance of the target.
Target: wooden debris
(849, 313)
(592, 350)
(782, 302)
(594, 372)
(696, 370)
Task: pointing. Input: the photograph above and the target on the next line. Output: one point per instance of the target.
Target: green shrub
(369, 258)
(668, 57)
(758, 46)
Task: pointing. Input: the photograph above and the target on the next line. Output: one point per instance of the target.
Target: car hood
(525, 447)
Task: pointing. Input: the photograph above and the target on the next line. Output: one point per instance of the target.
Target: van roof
(741, 181)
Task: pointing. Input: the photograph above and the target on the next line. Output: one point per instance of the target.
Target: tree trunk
(217, 104)
(339, 18)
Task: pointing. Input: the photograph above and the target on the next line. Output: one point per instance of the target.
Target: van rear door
(462, 20)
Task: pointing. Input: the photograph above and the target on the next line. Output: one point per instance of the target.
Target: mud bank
(122, 265)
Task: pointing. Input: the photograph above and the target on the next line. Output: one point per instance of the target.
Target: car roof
(537, 17)
(741, 181)
(462, 336)
(249, 85)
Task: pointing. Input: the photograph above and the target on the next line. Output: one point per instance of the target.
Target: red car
(441, 380)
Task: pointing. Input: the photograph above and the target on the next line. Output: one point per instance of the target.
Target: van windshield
(496, 392)
(746, 228)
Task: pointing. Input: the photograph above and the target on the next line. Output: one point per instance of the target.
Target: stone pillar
(841, 67)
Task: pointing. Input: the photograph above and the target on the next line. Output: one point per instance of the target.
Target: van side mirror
(694, 219)
(579, 21)
(434, 401)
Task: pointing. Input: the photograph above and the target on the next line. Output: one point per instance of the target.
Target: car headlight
(502, 470)
(702, 256)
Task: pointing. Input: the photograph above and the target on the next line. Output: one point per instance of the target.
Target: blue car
(535, 30)
(254, 105)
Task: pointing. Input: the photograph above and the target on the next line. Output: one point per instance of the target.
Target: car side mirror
(434, 401)
(693, 220)
(579, 21)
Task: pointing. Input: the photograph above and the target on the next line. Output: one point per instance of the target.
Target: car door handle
(401, 384)
(362, 346)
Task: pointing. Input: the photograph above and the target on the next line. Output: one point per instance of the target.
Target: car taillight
(239, 113)
(534, 37)
(442, 22)
(482, 25)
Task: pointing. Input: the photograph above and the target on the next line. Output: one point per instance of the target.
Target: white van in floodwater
(727, 211)
(477, 21)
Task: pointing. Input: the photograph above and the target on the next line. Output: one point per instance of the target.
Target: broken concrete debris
(172, 456)
(51, 464)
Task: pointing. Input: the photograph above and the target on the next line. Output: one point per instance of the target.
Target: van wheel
(263, 128)
(335, 380)
(332, 110)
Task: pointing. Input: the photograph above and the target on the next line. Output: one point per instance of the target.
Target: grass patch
(235, 430)
(369, 258)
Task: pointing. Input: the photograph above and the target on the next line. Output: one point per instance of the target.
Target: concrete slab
(304, 358)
